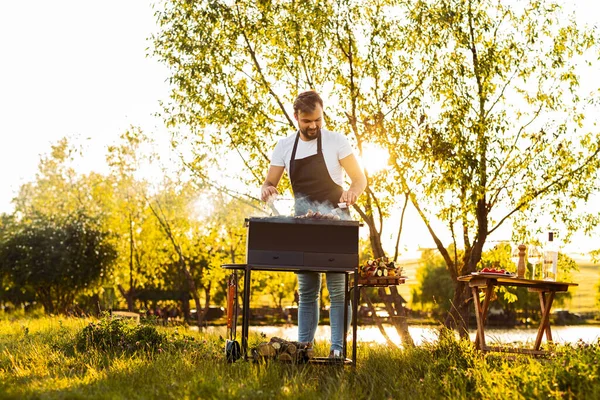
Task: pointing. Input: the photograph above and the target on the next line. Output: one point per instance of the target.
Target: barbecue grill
(302, 244)
(295, 244)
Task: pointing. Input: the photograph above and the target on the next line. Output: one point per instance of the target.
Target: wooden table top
(483, 279)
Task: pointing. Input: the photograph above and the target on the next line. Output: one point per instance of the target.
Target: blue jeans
(309, 287)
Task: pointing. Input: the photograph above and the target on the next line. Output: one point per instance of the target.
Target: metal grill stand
(247, 269)
(288, 244)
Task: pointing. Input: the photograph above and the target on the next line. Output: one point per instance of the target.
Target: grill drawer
(269, 257)
(331, 260)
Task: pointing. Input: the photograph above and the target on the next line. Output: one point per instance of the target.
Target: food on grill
(379, 267)
(317, 215)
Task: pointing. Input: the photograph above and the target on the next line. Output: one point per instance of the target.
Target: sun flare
(374, 158)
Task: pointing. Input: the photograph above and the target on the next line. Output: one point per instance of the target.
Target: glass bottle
(535, 258)
(550, 263)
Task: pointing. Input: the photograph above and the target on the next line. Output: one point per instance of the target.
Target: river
(427, 333)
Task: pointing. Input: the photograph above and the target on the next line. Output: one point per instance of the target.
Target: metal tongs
(339, 210)
(271, 205)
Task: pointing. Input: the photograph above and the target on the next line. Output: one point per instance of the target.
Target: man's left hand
(349, 197)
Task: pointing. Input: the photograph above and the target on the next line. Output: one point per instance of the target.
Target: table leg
(543, 308)
(246, 313)
(546, 305)
(486, 304)
(479, 344)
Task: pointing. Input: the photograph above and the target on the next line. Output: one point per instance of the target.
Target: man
(315, 160)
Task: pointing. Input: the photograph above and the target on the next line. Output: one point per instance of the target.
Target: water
(426, 333)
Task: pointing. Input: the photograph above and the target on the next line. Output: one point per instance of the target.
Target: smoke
(303, 204)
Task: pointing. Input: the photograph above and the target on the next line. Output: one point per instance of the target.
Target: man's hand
(269, 188)
(268, 192)
(349, 197)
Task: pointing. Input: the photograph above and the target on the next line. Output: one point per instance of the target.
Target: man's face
(310, 123)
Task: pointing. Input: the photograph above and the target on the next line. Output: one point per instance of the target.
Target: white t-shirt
(334, 145)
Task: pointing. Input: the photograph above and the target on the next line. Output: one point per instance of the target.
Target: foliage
(503, 137)
(236, 68)
(435, 288)
(478, 103)
(118, 335)
(141, 247)
(36, 361)
(206, 226)
(56, 260)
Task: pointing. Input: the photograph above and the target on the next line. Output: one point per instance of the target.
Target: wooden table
(487, 282)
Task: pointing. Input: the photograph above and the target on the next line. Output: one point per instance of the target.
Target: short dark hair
(307, 101)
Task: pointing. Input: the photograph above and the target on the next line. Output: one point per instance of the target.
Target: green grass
(39, 359)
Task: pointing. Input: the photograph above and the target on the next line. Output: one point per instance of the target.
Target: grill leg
(355, 300)
(346, 299)
(246, 313)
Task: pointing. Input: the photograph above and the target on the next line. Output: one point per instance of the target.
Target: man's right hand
(268, 192)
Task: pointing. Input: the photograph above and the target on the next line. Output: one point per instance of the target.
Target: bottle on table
(550, 263)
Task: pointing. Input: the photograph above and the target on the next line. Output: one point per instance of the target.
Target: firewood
(291, 348)
(308, 353)
(283, 350)
(266, 350)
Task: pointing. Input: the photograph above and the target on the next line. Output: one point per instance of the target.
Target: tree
(502, 136)
(56, 260)
(9, 292)
(136, 236)
(63, 196)
(236, 68)
(476, 102)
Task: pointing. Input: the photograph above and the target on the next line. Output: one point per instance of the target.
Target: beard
(310, 134)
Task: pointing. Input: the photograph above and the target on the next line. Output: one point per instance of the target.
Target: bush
(115, 336)
(118, 335)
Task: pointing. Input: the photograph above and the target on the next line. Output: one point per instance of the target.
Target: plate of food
(495, 272)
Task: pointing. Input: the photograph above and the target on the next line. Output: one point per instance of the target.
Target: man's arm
(269, 188)
(357, 177)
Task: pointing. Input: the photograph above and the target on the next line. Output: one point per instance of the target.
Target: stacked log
(283, 350)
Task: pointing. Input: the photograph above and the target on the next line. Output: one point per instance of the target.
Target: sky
(81, 69)
(78, 69)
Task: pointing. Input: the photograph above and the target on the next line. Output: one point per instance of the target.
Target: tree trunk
(392, 301)
(458, 316)
(130, 301)
(393, 305)
(206, 304)
(129, 296)
(45, 297)
(185, 306)
(192, 285)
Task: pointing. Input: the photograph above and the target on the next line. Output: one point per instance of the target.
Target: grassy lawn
(47, 358)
